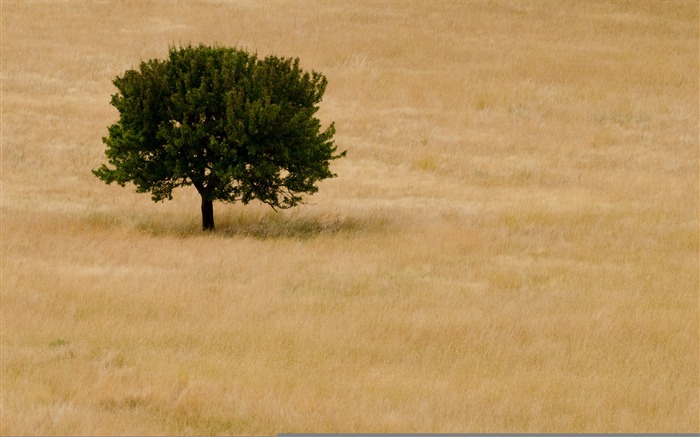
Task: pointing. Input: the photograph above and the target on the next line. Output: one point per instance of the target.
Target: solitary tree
(236, 127)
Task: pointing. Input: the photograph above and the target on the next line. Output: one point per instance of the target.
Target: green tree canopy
(234, 126)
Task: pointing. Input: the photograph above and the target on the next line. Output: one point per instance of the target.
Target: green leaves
(236, 127)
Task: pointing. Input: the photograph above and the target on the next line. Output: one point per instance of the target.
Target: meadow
(511, 244)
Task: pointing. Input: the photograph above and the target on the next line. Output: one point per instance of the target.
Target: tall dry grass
(511, 244)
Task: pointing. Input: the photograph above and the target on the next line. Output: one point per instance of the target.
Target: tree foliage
(234, 126)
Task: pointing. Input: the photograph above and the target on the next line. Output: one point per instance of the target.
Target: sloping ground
(511, 244)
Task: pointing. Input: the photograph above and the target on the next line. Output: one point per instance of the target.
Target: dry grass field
(511, 244)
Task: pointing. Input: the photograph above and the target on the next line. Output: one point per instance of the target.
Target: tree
(236, 127)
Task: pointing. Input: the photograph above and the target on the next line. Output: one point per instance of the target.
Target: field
(511, 244)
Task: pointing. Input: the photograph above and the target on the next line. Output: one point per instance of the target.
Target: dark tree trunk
(207, 215)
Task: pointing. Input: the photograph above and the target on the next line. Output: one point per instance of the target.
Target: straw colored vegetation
(511, 244)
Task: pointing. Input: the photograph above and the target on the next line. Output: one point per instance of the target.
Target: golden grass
(511, 244)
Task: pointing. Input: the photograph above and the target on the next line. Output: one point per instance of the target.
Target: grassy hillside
(511, 244)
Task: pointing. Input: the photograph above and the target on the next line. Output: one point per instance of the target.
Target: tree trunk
(207, 215)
